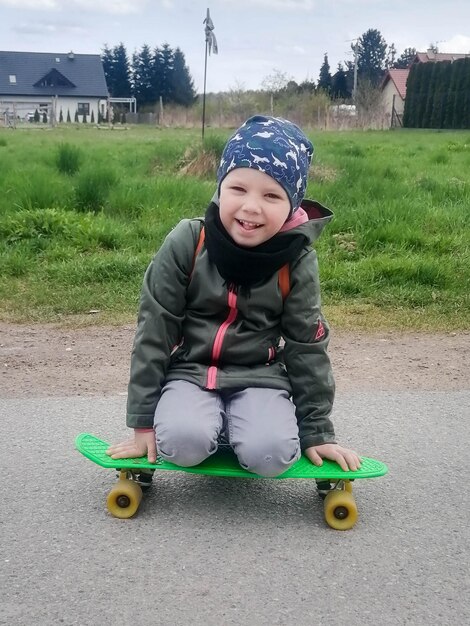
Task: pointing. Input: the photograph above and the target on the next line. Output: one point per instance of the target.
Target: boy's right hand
(142, 444)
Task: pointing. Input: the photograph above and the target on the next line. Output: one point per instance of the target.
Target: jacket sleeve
(306, 335)
(161, 314)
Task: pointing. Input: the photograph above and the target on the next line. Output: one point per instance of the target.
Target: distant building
(50, 83)
(394, 94)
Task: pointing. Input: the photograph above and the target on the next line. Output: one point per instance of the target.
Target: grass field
(83, 210)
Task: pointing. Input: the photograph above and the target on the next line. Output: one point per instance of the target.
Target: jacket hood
(309, 220)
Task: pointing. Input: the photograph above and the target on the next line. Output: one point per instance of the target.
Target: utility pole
(356, 45)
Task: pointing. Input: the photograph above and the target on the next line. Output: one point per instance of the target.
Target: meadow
(82, 211)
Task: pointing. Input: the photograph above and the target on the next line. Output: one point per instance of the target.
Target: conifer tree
(181, 83)
(324, 80)
(68, 116)
(61, 116)
(339, 84)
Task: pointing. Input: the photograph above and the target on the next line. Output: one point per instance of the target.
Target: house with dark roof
(52, 83)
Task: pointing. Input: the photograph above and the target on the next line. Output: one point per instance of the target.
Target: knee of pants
(268, 458)
(186, 447)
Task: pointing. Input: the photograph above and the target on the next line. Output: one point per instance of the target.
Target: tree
(275, 82)
(143, 86)
(121, 75)
(339, 84)
(92, 118)
(324, 81)
(107, 61)
(166, 61)
(61, 116)
(391, 54)
(371, 56)
(405, 59)
(36, 116)
(44, 117)
(76, 120)
(68, 116)
(182, 86)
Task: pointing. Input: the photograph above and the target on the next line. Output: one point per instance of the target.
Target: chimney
(71, 55)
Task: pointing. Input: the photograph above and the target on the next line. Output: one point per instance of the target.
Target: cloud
(117, 7)
(458, 44)
(282, 5)
(39, 5)
(44, 28)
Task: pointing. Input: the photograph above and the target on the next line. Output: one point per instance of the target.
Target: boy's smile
(253, 206)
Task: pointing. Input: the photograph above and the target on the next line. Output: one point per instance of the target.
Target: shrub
(68, 159)
(93, 188)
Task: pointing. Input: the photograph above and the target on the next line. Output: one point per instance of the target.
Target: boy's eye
(275, 196)
(236, 188)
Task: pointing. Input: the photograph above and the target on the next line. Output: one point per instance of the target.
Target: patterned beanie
(274, 146)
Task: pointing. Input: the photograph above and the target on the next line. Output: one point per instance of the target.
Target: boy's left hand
(346, 459)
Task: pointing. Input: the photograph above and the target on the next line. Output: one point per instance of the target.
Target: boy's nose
(251, 205)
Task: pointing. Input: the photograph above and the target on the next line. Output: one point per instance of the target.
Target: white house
(394, 94)
(52, 83)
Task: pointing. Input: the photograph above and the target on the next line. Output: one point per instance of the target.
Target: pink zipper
(219, 339)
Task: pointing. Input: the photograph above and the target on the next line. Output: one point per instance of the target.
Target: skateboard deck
(332, 481)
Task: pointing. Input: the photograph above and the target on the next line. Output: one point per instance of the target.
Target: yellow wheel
(124, 499)
(340, 510)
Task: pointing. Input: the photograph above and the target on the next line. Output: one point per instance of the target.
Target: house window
(83, 108)
(12, 79)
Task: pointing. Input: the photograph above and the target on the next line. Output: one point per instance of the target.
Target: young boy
(207, 363)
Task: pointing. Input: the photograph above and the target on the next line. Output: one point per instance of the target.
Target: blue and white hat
(274, 146)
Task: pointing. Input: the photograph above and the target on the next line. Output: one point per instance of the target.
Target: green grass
(83, 210)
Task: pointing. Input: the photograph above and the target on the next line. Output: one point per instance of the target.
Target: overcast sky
(255, 37)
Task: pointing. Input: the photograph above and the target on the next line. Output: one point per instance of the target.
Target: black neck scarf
(244, 267)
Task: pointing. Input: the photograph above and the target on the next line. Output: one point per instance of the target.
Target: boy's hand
(142, 444)
(346, 459)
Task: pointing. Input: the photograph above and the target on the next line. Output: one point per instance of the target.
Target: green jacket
(191, 327)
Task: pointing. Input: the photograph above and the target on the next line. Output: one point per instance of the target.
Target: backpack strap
(283, 275)
(200, 243)
(284, 280)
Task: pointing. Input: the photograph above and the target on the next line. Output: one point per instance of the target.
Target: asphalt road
(213, 551)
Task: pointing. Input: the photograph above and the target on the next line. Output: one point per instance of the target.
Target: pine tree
(166, 68)
(405, 59)
(36, 116)
(324, 80)
(61, 116)
(440, 94)
(182, 86)
(142, 76)
(372, 51)
(466, 87)
(431, 86)
(339, 84)
(411, 101)
(107, 60)
(68, 116)
(76, 120)
(44, 117)
(121, 75)
(423, 71)
(84, 119)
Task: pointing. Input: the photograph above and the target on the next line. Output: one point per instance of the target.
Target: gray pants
(259, 424)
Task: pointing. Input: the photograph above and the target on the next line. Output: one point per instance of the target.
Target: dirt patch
(46, 360)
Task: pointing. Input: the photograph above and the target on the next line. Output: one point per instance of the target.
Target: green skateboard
(333, 483)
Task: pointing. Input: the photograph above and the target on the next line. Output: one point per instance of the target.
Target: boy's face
(253, 206)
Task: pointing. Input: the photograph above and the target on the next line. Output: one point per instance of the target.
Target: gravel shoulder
(48, 360)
